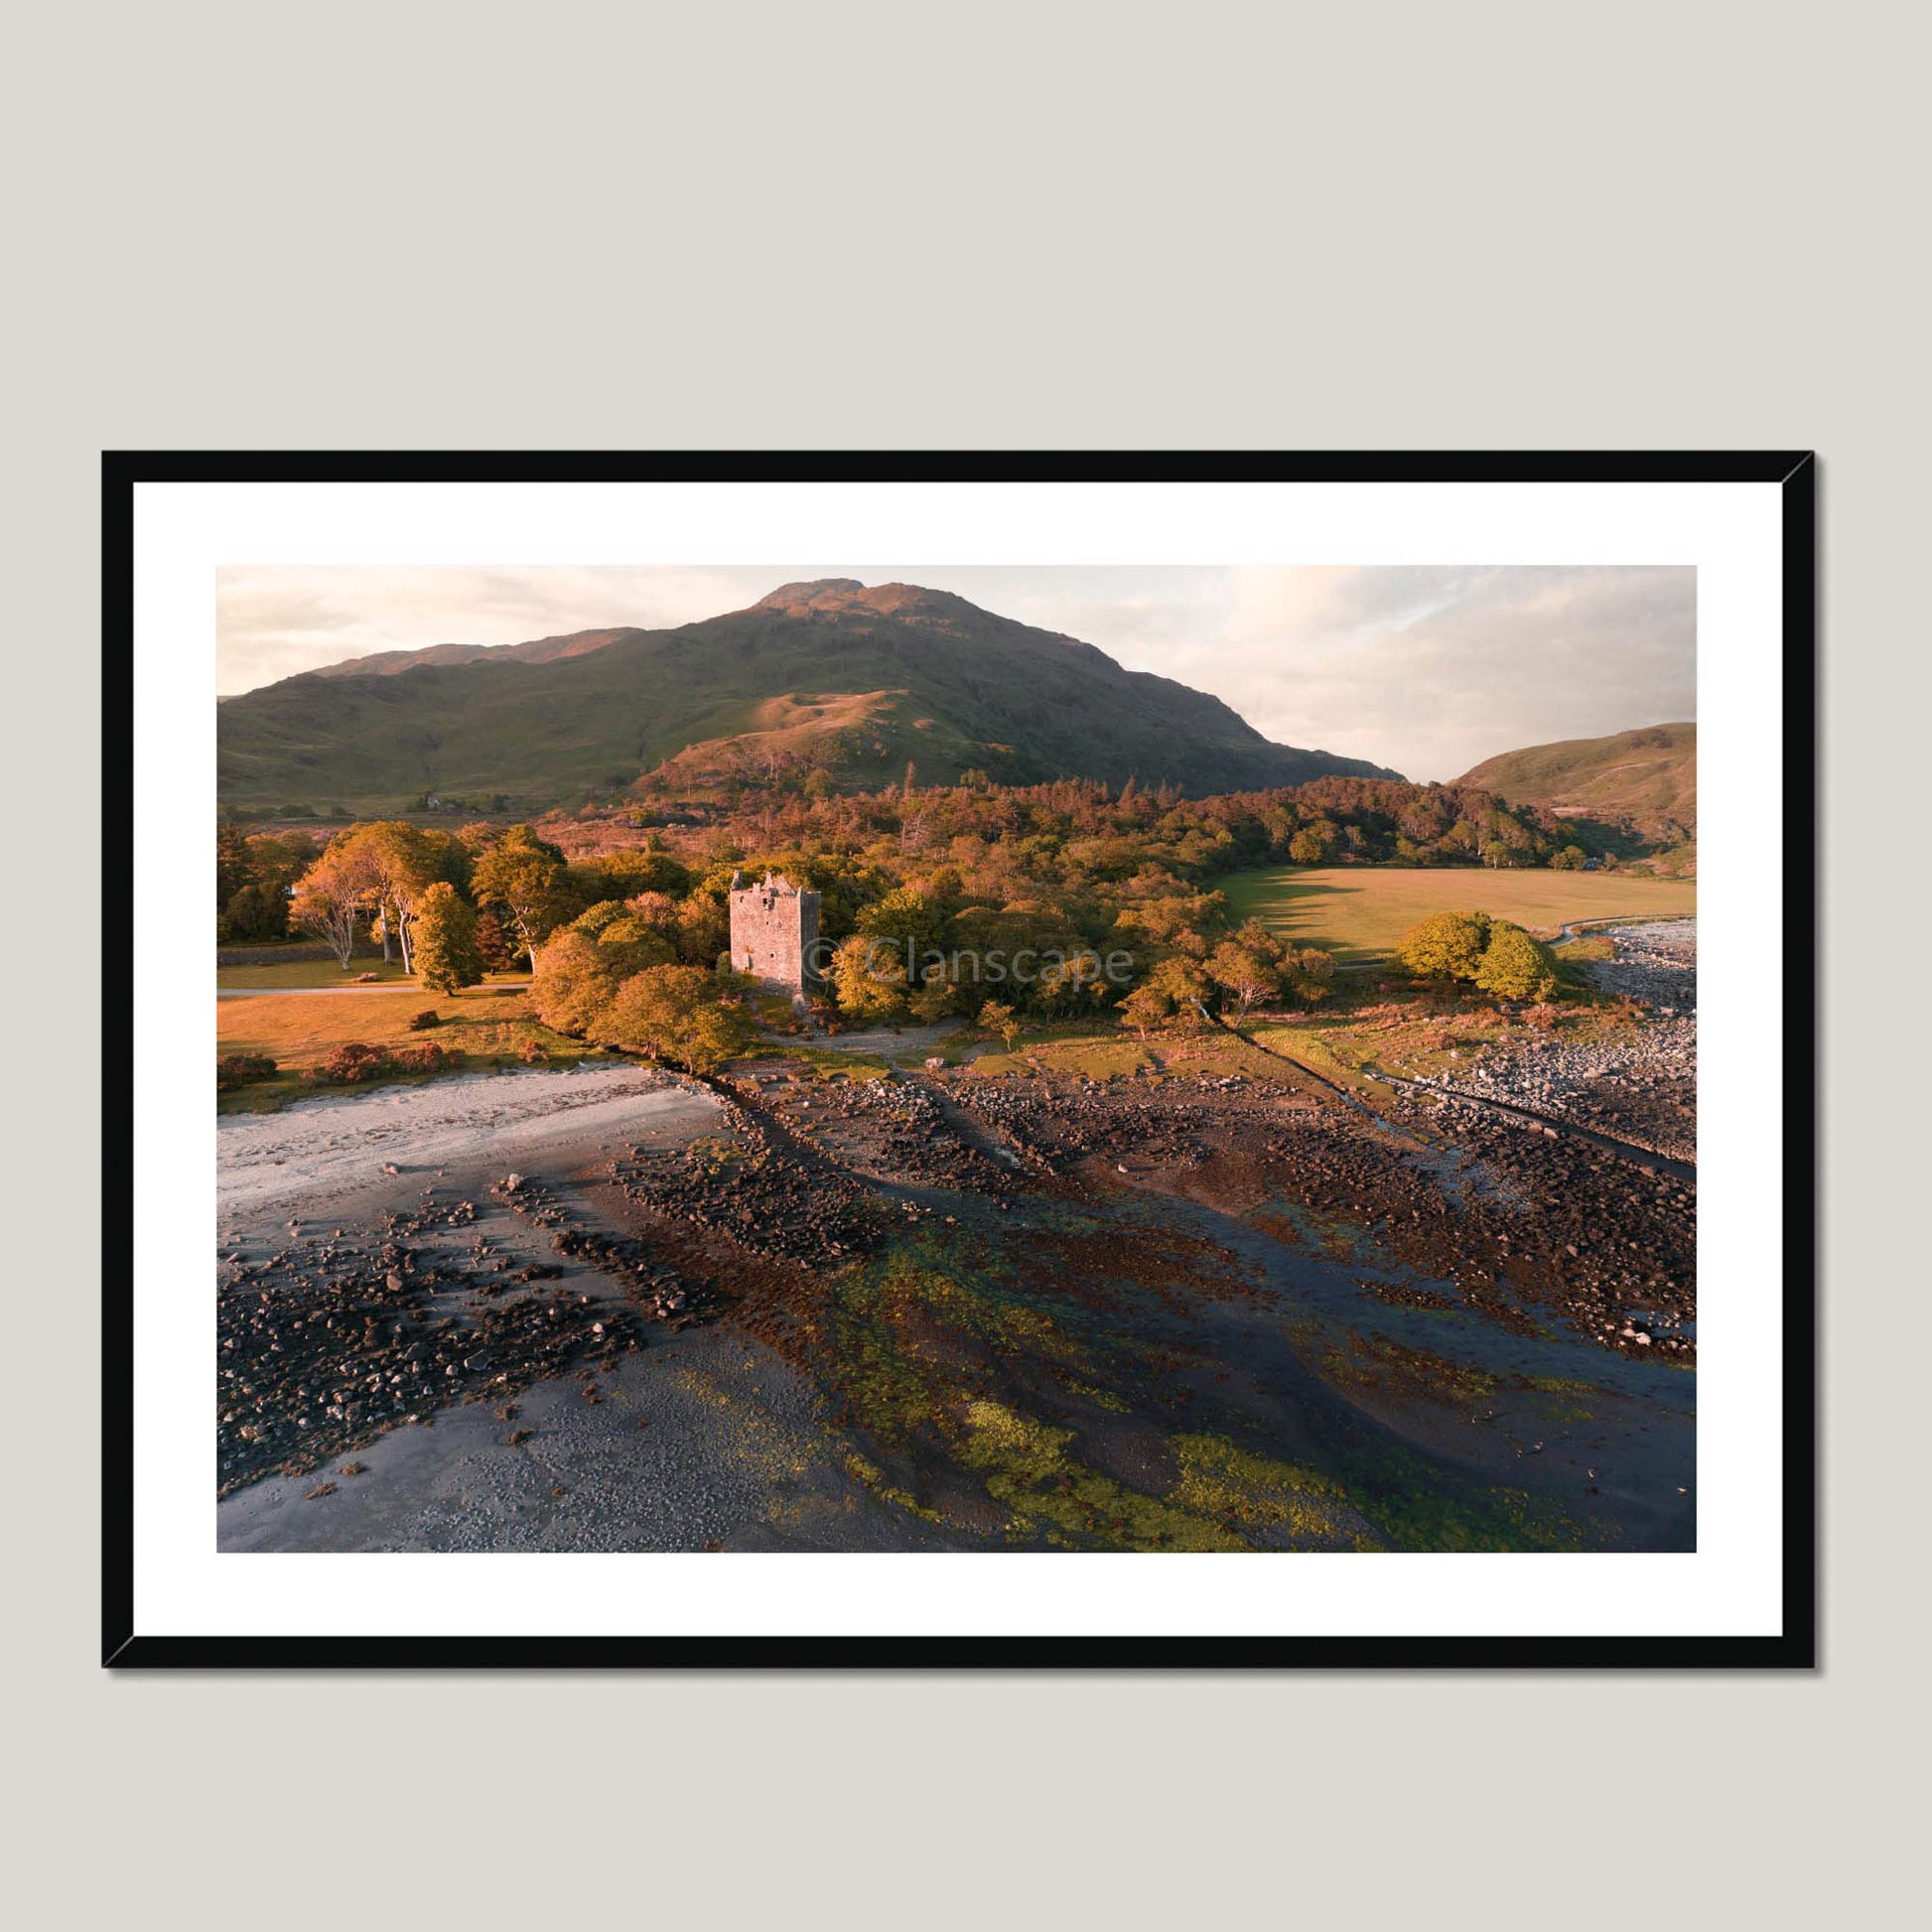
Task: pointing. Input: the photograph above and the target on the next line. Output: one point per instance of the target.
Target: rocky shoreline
(1178, 1232)
(1638, 1085)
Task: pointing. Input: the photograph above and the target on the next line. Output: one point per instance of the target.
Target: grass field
(302, 974)
(486, 1024)
(1360, 911)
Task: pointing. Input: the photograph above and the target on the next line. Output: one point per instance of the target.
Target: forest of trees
(1109, 892)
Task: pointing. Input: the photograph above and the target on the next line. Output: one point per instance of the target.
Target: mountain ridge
(823, 675)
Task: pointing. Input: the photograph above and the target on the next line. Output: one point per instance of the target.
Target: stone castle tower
(773, 928)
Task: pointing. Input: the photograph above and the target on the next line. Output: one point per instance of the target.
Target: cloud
(1431, 670)
(1426, 668)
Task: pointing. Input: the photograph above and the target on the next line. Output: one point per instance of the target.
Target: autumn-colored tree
(335, 895)
(677, 1014)
(1145, 1007)
(1445, 946)
(401, 862)
(1065, 984)
(1248, 967)
(524, 874)
(869, 979)
(1177, 921)
(580, 968)
(995, 1017)
(703, 930)
(634, 941)
(1308, 973)
(499, 942)
(447, 954)
(1514, 966)
(624, 874)
(575, 981)
(906, 919)
(1182, 983)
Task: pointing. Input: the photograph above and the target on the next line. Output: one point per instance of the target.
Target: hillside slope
(824, 675)
(539, 650)
(1648, 776)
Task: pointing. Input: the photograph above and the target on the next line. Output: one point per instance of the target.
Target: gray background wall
(841, 226)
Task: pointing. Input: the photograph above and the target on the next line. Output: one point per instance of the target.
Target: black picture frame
(1794, 472)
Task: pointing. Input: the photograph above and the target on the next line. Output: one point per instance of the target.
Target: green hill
(824, 675)
(1648, 776)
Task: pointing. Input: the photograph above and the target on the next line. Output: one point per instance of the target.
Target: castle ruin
(774, 927)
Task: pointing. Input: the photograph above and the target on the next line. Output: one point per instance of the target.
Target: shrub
(674, 1012)
(354, 1060)
(1514, 966)
(533, 1052)
(424, 1021)
(1445, 945)
(233, 1070)
(426, 1058)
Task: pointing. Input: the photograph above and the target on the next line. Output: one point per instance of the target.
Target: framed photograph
(1036, 1059)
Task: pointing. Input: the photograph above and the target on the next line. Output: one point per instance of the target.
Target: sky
(1427, 668)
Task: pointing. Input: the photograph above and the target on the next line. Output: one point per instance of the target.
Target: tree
(499, 942)
(613, 874)
(1308, 973)
(525, 875)
(676, 1014)
(1445, 946)
(934, 1000)
(1248, 967)
(400, 861)
(575, 981)
(233, 868)
(703, 930)
(334, 894)
(906, 919)
(868, 977)
(446, 953)
(995, 1017)
(1145, 1007)
(1568, 857)
(1066, 981)
(580, 967)
(1182, 983)
(256, 911)
(1514, 966)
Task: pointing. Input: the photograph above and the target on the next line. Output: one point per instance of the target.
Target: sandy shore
(697, 1437)
(317, 1156)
